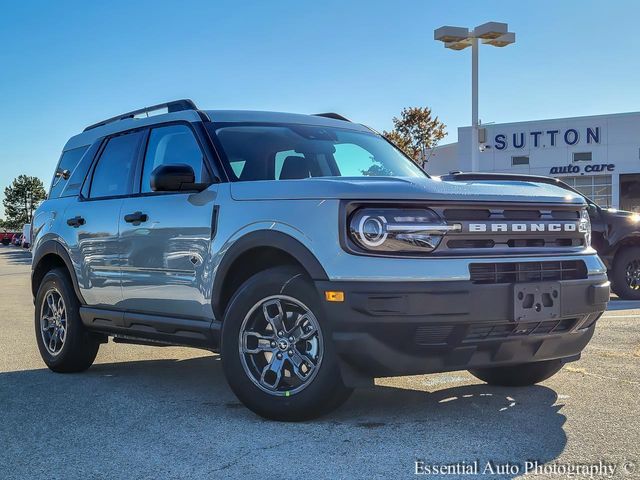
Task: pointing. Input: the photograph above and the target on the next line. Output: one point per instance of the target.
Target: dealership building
(598, 155)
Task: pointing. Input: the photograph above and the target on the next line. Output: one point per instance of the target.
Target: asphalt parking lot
(145, 412)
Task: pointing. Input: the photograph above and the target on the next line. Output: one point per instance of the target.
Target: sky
(67, 64)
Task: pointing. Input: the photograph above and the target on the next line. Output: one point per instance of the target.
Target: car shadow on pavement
(187, 404)
(466, 423)
(16, 255)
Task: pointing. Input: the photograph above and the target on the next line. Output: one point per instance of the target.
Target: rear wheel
(626, 274)
(64, 344)
(518, 375)
(276, 348)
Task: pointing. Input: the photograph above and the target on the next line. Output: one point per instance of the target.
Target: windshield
(288, 152)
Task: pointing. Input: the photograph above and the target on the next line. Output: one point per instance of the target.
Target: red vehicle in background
(6, 238)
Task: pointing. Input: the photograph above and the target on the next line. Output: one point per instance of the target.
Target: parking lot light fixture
(495, 34)
(451, 34)
(490, 30)
(501, 41)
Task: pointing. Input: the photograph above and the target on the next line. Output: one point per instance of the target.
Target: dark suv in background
(616, 233)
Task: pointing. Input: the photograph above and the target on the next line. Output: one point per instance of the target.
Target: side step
(152, 330)
(142, 341)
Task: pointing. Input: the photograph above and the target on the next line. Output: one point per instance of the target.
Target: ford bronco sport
(308, 251)
(615, 233)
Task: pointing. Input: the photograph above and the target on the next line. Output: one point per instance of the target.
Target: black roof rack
(175, 106)
(335, 116)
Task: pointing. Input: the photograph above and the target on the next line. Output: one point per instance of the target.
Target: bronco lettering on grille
(523, 227)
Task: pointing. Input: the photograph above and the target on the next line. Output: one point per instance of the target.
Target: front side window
(112, 175)
(174, 144)
(295, 152)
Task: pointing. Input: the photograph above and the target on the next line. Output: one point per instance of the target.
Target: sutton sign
(544, 138)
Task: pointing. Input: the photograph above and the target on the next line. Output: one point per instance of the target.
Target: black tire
(79, 348)
(629, 258)
(324, 392)
(518, 375)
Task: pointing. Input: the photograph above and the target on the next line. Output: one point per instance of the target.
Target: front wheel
(64, 344)
(518, 375)
(626, 274)
(277, 352)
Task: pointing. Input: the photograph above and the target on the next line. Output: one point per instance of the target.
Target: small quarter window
(520, 160)
(581, 156)
(67, 165)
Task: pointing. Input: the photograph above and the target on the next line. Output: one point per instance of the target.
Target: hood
(612, 212)
(402, 188)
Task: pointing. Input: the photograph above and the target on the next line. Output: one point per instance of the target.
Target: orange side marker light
(334, 296)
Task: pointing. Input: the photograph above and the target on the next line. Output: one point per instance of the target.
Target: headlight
(398, 230)
(585, 227)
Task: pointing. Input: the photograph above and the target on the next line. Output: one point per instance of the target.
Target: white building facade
(598, 155)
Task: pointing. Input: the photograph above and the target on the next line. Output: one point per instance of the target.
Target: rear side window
(66, 166)
(112, 175)
(174, 144)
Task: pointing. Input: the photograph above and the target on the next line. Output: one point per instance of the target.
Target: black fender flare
(266, 238)
(53, 247)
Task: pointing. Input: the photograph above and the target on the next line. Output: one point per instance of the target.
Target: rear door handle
(136, 218)
(75, 222)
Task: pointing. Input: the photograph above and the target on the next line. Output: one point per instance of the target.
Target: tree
(416, 131)
(21, 199)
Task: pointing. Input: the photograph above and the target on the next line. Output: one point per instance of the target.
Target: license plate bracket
(536, 301)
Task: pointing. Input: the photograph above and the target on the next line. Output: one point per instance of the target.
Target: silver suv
(308, 251)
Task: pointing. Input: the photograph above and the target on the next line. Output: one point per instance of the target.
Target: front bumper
(405, 328)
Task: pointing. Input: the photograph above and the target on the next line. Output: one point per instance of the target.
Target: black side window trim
(211, 156)
(137, 190)
(56, 180)
(86, 192)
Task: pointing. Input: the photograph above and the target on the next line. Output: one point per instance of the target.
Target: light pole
(458, 38)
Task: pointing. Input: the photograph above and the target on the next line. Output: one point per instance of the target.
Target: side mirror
(175, 178)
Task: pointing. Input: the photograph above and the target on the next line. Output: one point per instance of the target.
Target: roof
(252, 116)
(217, 116)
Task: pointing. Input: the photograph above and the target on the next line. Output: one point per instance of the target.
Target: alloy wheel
(633, 274)
(53, 322)
(280, 345)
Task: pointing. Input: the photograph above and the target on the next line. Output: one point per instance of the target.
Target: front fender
(241, 243)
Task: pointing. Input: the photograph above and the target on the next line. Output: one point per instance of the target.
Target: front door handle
(136, 218)
(75, 222)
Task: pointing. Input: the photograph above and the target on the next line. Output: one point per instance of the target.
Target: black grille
(433, 334)
(518, 272)
(505, 330)
(509, 214)
(441, 334)
(508, 230)
(515, 243)
(466, 214)
(480, 243)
